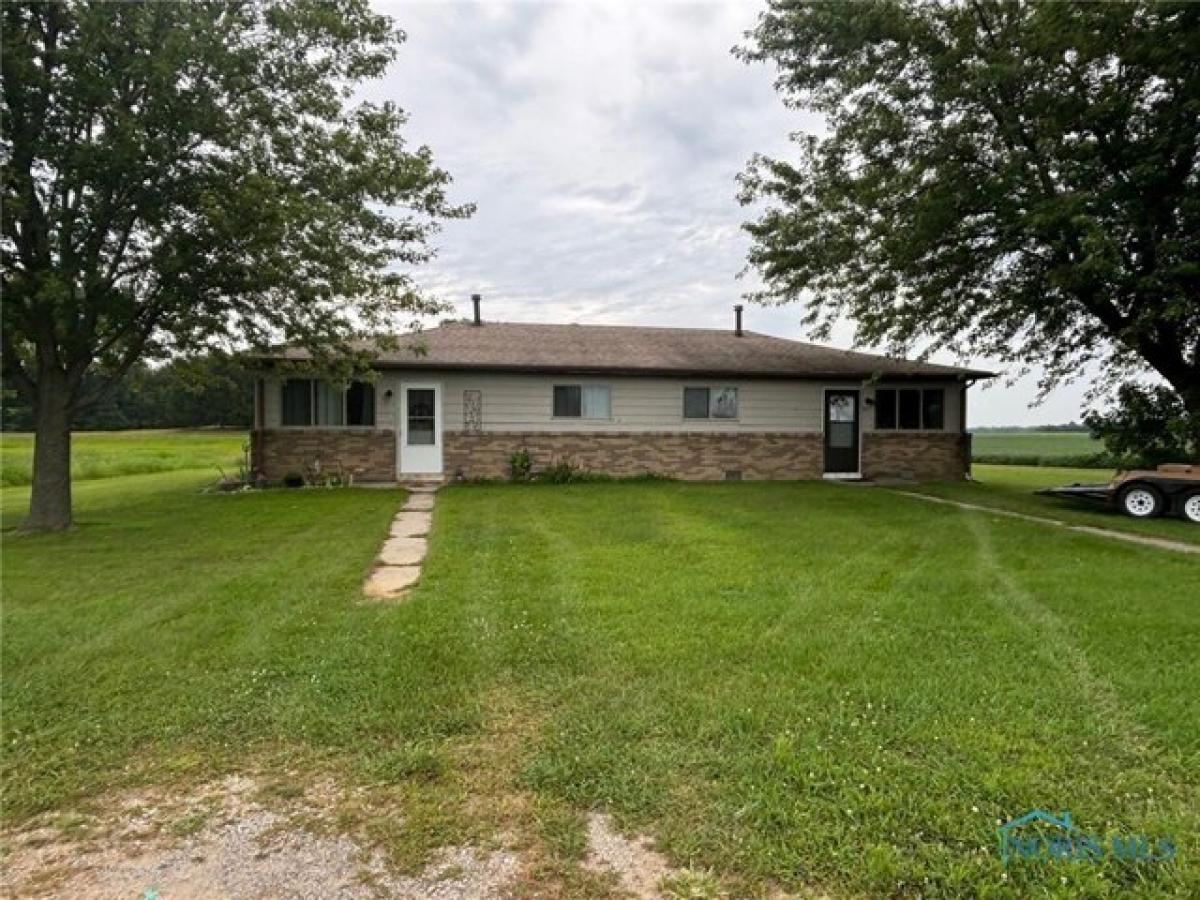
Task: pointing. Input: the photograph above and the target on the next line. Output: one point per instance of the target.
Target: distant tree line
(184, 393)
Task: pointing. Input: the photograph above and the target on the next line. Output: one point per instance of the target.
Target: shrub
(293, 480)
(1148, 425)
(520, 465)
(562, 472)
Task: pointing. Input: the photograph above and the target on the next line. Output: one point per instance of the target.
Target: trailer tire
(1140, 500)
(1190, 507)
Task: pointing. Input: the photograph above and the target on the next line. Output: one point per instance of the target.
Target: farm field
(728, 669)
(105, 454)
(1035, 447)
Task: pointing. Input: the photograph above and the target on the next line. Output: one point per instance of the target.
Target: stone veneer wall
(695, 456)
(369, 453)
(920, 455)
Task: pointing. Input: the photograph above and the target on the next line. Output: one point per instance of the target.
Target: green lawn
(796, 685)
(104, 454)
(1012, 488)
(1035, 448)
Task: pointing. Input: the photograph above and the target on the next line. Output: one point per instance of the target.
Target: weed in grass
(405, 762)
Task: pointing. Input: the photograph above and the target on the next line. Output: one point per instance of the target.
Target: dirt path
(222, 841)
(1143, 539)
(226, 840)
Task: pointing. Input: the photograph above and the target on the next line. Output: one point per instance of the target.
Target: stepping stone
(387, 581)
(421, 488)
(419, 502)
(411, 524)
(403, 551)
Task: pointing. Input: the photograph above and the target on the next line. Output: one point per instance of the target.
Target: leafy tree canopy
(1018, 180)
(1145, 427)
(178, 176)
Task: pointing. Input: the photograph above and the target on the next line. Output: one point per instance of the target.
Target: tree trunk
(50, 502)
(1191, 405)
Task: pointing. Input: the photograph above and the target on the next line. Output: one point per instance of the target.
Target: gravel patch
(241, 850)
(638, 867)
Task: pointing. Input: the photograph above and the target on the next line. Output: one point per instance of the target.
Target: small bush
(562, 472)
(293, 480)
(520, 465)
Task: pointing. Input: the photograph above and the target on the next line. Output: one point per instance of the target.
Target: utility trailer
(1172, 489)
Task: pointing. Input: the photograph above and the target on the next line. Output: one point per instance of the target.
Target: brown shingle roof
(512, 346)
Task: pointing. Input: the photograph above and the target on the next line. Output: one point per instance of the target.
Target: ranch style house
(458, 400)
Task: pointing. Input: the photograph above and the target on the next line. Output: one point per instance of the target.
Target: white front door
(420, 443)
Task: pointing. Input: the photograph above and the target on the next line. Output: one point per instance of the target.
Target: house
(689, 403)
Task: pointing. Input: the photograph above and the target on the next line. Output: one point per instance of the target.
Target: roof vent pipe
(737, 320)
(475, 298)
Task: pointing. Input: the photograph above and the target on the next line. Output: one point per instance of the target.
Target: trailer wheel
(1140, 501)
(1191, 507)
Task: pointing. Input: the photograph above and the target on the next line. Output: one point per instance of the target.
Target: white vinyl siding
(526, 402)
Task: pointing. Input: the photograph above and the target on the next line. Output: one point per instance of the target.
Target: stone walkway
(399, 564)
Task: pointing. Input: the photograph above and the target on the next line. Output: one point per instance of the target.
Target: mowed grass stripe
(794, 684)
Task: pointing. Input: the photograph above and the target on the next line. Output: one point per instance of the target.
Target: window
(422, 411)
(597, 402)
(296, 402)
(568, 401)
(329, 404)
(306, 402)
(910, 409)
(587, 401)
(932, 405)
(885, 409)
(710, 403)
(360, 403)
(695, 403)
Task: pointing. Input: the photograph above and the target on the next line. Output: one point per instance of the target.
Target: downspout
(962, 427)
(256, 435)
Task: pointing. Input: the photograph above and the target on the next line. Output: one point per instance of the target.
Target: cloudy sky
(600, 142)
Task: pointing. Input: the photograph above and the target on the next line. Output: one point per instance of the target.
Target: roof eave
(661, 371)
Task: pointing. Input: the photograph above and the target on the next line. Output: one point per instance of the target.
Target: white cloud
(600, 142)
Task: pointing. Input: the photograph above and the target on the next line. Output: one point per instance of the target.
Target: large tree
(1018, 180)
(183, 175)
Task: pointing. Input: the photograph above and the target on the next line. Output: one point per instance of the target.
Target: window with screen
(582, 401)
(710, 403)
